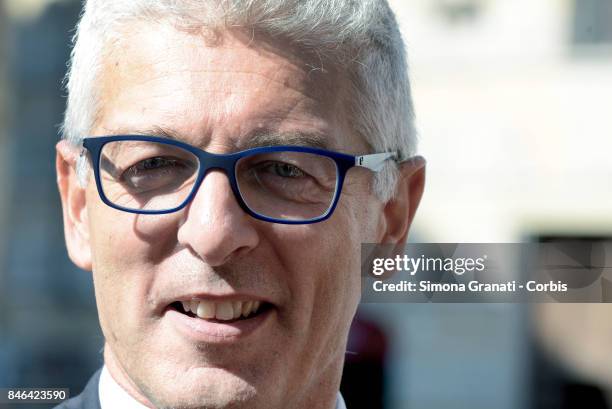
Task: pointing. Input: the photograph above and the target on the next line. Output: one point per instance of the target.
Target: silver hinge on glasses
(375, 161)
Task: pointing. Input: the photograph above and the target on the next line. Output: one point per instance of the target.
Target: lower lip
(201, 330)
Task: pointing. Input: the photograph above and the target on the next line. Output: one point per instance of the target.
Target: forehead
(220, 91)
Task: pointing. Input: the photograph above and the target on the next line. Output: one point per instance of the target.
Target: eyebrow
(157, 131)
(295, 138)
(256, 139)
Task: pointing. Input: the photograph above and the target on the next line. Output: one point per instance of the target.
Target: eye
(158, 172)
(283, 169)
(154, 163)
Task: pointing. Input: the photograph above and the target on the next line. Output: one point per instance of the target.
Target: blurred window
(592, 22)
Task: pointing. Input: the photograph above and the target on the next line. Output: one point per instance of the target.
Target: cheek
(126, 249)
(121, 240)
(357, 220)
(322, 264)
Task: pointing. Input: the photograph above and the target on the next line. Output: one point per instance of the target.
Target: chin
(211, 389)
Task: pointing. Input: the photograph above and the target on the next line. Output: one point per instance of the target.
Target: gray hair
(360, 38)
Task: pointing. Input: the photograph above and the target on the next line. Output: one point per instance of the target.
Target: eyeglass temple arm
(375, 161)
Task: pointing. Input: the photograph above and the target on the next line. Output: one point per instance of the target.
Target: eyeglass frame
(227, 163)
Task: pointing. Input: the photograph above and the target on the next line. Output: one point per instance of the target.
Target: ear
(74, 205)
(400, 210)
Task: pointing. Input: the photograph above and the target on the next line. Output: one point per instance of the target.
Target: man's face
(306, 277)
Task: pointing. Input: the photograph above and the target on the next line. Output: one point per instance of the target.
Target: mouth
(219, 321)
(222, 311)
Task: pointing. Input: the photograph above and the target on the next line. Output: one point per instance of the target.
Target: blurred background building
(48, 329)
(513, 102)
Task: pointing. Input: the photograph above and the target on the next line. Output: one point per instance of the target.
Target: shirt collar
(340, 402)
(113, 396)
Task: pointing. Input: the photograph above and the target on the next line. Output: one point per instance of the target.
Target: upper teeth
(224, 311)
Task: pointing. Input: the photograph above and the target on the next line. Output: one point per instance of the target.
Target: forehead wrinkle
(297, 83)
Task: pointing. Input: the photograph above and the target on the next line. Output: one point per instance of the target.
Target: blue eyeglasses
(278, 184)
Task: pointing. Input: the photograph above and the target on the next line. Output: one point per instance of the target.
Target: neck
(322, 392)
(120, 376)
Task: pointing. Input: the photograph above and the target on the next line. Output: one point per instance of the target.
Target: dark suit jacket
(88, 399)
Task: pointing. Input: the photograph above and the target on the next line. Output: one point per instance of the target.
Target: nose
(214, 226)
